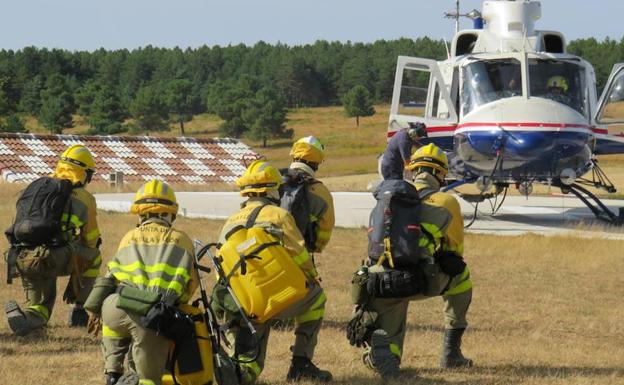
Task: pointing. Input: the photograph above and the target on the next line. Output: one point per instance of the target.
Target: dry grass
(546, 311)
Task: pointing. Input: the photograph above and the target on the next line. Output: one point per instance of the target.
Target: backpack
(294, 199)
(263, 276)
(394, 235)
(38, 213)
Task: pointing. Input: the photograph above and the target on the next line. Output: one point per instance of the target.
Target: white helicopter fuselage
(509, 103)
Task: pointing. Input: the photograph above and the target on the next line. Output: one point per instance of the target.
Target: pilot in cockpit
(557, 90)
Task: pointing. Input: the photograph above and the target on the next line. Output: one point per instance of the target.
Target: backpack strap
(251, 221)
(387, 222)
(252, 254)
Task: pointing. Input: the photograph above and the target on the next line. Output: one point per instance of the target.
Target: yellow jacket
(428, 188)
(280, 224)
(156, 257)
(79, 226)
(321, 208)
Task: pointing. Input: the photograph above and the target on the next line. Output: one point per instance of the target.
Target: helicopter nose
(515, 145)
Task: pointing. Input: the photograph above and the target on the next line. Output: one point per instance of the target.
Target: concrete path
(545, 215)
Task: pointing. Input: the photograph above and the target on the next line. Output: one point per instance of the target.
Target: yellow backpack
(262, 274)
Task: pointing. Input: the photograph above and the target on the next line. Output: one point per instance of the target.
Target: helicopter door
(610, 109)
(420, 95)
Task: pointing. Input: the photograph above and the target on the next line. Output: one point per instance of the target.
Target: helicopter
(511, 107)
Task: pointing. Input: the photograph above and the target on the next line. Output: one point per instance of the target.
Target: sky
(114, 24)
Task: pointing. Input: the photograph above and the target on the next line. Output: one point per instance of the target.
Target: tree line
(249, 87)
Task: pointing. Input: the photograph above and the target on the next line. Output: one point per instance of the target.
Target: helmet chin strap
(168, 218)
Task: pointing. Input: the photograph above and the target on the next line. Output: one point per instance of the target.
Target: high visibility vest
(155, 257)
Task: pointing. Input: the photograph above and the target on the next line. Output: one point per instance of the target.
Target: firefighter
(79, 257)
(382, 325)
(307, 154)
(259, 184)
(399, 150)
(153, 260)
(429, 165)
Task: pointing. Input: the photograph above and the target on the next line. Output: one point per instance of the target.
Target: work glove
(94, 325)
(450, 263)
(361, 326)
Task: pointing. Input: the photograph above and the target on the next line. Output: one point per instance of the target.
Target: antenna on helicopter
(473, 15)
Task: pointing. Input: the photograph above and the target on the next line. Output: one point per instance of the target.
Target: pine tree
(357, 103)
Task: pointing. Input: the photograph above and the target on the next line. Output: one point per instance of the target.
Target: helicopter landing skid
(599, 209)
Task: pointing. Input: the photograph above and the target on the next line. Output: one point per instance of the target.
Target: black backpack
(294, 199)
(397, 217)
(38, 213)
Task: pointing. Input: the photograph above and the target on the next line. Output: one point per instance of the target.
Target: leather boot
(302, 368)
(111, 378)
(379, 356)
(452, 356)
(18, 322)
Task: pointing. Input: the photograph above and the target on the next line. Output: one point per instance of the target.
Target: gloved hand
(450, 263)
(361, 326)
(94, 325)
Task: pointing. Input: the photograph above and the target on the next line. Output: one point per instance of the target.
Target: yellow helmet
(154, 197)
(260, 177)
(75, 164)
(78, 155)
(558, 82)
(308, 149)
(429, 156)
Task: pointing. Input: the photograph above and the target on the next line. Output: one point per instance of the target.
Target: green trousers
(40, 284)
(308, 315)
(121, 331)
(392, 312)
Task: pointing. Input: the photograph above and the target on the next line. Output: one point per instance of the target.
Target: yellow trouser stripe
(316, 311)
(91, 235)
(395, 349)
(97, 261)
(91, 273)
(464, 286)
(157, 268)
(94, 271)
(110, 333)
(302, 257)
(158, 282)
(146, 382)
(41, 310)
(323, 234)
(255, 368)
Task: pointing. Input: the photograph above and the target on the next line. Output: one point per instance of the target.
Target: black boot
(16, 318)
(111, 378)
(78, 317)
(452, 356)
(301, 368)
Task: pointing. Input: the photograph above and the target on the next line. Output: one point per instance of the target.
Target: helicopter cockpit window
(488, 81)
(560, 81)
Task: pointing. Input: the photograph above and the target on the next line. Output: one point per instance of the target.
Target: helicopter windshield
(488, 81)
(561, 81)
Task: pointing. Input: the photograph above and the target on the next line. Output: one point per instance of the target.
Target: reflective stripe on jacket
(79, 225)
(280, 224)
(156, 257)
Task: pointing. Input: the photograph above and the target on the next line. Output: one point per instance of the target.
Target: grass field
(546, 311)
